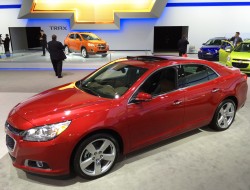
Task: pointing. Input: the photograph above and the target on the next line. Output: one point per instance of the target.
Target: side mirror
(143, 97)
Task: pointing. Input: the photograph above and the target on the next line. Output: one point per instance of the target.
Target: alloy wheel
(226, 115)
(84, 52)
(97, 157)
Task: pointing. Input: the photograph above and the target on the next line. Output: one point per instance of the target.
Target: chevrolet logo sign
(92, 14)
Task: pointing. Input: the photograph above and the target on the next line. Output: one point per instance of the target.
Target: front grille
(241, 59)
(12, 129)
(10, 142)
(101, 46)
(207, 55)
(240, 65)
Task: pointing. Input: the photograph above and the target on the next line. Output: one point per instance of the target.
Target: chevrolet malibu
(125, 105)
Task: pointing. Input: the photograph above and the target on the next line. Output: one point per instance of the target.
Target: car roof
(81, 32)
(151, 62)
(219, 38)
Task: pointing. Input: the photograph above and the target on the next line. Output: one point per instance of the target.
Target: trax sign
(92, 14)
(58, 27)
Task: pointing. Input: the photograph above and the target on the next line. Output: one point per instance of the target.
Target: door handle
(177, 102)
(215, 90)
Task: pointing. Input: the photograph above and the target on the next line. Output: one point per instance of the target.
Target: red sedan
(123, 106)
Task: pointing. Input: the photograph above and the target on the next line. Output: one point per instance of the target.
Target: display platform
(34, 60)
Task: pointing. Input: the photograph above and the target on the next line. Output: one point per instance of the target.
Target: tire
(104, 55)
(96, 156)
(67, 50)
(84, 52)
(224, 115)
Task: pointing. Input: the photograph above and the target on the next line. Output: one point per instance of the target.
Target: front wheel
(84, 53)
(224, 115)
(96, 156)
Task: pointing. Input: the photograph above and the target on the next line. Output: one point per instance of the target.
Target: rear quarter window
(72, 36)
(190, 75)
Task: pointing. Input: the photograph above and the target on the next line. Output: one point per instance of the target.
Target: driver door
(162, 116)
(223, 52)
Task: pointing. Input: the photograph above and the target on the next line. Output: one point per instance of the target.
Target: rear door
(78, 43)
(71, 41)
(203, 92)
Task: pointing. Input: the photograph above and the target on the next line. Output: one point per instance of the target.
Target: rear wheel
(84, 52)
(96, 156)
(224, 115)
(67, 50)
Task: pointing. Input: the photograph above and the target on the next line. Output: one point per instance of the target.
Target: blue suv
(210, 49)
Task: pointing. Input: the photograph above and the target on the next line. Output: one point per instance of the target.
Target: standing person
(182, 45)
(6, 43)
(236, 39)
(43, 40)
(57, 55)
(1, 42)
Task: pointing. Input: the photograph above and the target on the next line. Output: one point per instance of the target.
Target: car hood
(97, 41)
(59, 104)
(210, 47)
(240, 55)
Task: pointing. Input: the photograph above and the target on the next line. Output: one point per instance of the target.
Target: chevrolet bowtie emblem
(92, 14)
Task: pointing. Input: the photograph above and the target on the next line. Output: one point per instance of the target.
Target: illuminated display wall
(205, 20)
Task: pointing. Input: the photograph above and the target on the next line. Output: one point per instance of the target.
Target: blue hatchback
(210, 49)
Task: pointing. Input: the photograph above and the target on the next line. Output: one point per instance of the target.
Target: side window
(211, 74)
(217, 42)
(160, 82)
(78, 37)
(72, 36)
(190, 75)
(85, 37)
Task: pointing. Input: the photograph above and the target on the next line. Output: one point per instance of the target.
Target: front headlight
(228, 58)
(91, 45)
(46, 132)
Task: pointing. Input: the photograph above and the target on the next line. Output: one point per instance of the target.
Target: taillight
(245, 76)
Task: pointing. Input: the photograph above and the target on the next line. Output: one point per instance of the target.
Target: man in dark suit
(43, 41)
(182, 45)
(57, 55)
(6, 43)
(236, 39)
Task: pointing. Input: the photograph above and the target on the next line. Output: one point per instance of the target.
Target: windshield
(112, 81)
(243, 47)
(90, 37)
(213, 42)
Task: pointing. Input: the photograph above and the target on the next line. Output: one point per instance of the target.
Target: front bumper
(208, 55)
(48, 158)
(244, 66)
(97, 50)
